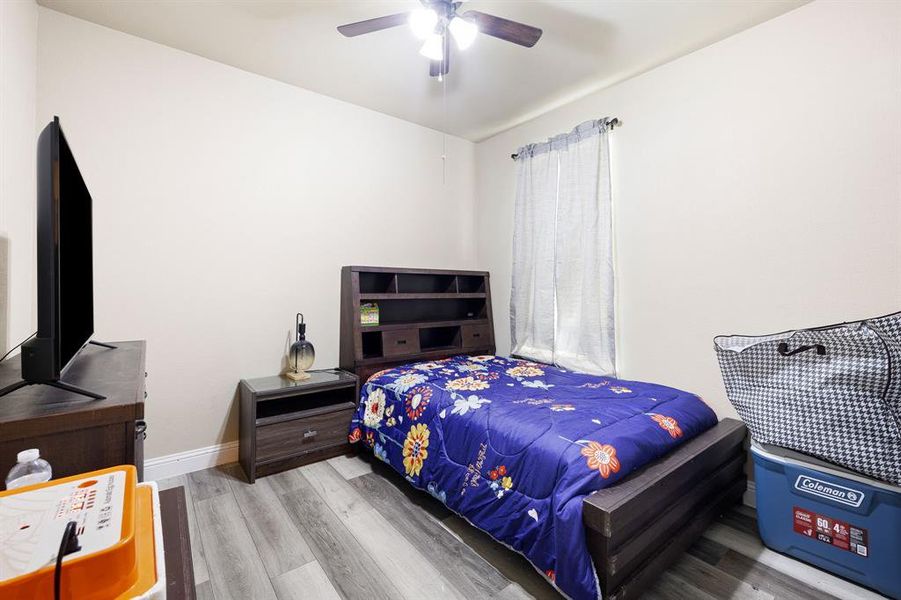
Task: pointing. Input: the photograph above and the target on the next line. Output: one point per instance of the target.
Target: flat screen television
(65, 281)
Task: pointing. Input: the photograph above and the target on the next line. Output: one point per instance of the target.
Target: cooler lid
(786, 456)
(32, 521)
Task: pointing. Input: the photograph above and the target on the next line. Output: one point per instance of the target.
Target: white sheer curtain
(532, 296)
(561, 306)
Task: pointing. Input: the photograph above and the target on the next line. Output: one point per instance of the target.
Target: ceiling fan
(436, 18)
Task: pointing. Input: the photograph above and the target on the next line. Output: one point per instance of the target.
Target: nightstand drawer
(475, 336)
(302, 435)
(400, 341)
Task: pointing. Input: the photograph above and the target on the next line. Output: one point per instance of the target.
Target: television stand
(77, 434)
(57, 384)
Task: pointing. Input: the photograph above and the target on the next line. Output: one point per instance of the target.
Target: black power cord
(11, 350)
(67, 545)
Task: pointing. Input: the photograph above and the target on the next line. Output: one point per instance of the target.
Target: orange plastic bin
(118, 528)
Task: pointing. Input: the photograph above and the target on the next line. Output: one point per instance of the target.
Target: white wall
(224, 202)
(18, 74)
(757, 187)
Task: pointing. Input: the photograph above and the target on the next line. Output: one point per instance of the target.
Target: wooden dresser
(423, 314)
(76, 434)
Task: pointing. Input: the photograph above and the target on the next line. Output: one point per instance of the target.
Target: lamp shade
(422, 22)
(464, 32)
(433, 47)
(301, 354)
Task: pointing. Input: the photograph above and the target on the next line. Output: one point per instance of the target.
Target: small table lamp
(302, 354)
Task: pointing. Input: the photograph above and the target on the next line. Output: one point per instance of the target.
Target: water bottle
(30, 469)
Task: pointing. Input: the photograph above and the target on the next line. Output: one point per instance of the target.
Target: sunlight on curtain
(561, 305)
(532, 296)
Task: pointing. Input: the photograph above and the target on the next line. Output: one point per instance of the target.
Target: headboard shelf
(424, 314)
(420, 324)
(422, 296)
(422, 355)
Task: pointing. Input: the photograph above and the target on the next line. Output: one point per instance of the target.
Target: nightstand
(285, 423)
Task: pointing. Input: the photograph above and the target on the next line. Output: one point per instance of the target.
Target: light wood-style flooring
(352, 528)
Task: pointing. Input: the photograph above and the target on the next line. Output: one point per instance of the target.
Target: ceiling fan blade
(370, 25)
(505, 29)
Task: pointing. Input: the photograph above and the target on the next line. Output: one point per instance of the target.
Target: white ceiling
(492, 86)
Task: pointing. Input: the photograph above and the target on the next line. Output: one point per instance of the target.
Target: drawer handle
(309, 433)
(401, 342)
(475, 335)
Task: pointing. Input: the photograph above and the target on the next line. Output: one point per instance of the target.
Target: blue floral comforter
(515, 446)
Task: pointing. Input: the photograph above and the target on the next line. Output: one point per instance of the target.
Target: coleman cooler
(838, 520)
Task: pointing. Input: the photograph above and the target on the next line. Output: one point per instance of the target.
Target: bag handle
(784, 351)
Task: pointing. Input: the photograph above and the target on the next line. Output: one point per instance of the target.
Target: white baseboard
(749, 498)
(173, 465)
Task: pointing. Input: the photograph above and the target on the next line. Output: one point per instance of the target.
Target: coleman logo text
(831, 491)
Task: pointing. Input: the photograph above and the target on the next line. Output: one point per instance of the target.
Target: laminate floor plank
(171, 482)
(390, 550)
(468, 572)
(414, 576)
(708, 551)
(413, 496)
(352, 571)
(236, 570)
(513, 591)
(351, 466)
(740, 522)
(210, 482)
(782, 586)
(673, 587)
(753, 548)
(204, 591)
(340, 496)
(715, 582)
(280, 545)
(308, 582)
(286, 481)
(746, 511)
(510, 564)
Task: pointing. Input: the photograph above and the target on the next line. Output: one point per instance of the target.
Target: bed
(599, 482)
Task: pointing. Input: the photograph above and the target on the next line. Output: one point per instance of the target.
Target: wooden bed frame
(634, 529)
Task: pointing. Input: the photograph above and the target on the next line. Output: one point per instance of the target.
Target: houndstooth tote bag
(832, 392)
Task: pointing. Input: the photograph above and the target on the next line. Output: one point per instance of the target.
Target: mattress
(514, 446)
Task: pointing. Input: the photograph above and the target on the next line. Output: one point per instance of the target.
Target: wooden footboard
(638, 527)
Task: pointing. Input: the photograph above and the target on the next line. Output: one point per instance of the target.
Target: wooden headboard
(424, 314)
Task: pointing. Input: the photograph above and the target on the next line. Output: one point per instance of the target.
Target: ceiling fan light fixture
(464, 32)
(422, 22)
(433, 47)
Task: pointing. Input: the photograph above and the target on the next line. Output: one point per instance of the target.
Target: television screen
(76, 285)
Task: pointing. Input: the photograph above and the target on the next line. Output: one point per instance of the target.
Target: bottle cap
(28, 455)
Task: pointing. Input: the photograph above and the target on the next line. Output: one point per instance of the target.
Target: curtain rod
(614, 122)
